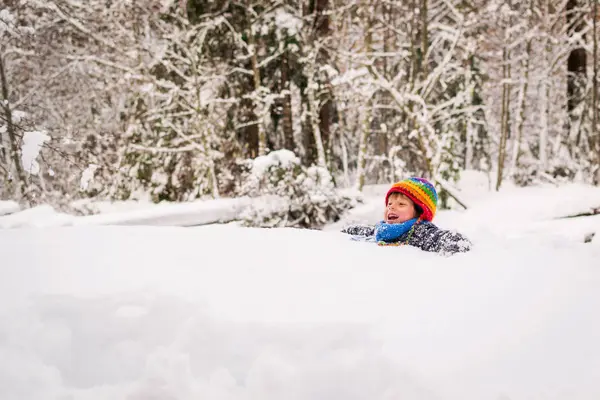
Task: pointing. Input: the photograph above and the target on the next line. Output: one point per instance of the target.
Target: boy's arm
(432, 238)
(359, 230)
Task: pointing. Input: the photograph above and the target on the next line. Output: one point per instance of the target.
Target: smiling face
(399, 209)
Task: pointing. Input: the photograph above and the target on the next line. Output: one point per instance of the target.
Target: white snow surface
(42, 216)
(237, 313)
(221, 312)
(131, 213)
(8, 207)
(173, 214)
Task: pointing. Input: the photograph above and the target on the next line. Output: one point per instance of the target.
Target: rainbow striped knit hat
(420, 191)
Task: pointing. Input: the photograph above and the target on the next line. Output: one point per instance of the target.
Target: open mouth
(392, 216)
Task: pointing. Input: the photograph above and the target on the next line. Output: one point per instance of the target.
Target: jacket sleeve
(359, 230)
(431, 238)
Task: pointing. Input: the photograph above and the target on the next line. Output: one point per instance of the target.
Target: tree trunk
(325, 112)
(309, 148)
(424, 38)
(313, 116)
(4, 145)
(362, 148)
(420, 73)
(325, 124)
(505, 120)
(468, 154)
(576, 68)
(345, 161)
(321, 17)
(595, 135)
(521, 114)
(366, 119)
(258, 108)
(287, 123)
(319, 115)
(414, 63)
(595, 71)
(249, 134)
(12, 135)
(388, 46)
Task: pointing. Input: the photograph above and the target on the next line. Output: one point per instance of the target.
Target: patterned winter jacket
(426, 236)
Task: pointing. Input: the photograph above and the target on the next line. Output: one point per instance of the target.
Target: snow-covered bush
(291, 195)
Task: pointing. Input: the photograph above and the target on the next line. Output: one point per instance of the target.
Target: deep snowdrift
(228, 313)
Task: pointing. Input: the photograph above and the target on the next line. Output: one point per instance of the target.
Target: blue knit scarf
(385, 232)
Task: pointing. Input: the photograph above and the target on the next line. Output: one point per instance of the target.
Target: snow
(8, 207)
(283, 158)
(209, 92)
(32, 144)
(105, 207)
(527, 211)
(285, 20)
(349, 76)
(513, 211)
(87, 176)
(130, 213)
(36, 217)
(222, 312)
(147, 88)
(7, 21)
(139, 312)
(18, 116)
(173, 214)
(523, 211)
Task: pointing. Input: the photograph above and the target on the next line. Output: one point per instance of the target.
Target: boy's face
(399, 209)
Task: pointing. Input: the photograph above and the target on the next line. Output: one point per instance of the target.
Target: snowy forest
(177, 100)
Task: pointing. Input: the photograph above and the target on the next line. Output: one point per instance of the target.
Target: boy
(410, 207)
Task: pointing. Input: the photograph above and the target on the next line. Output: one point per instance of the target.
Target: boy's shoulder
(429, 227)
(427, 224)
(430, 237)
(425, 227)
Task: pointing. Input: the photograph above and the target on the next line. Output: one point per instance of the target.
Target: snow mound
(8, 207)
(172, 214)
(36, 217)
(131, 213)
(231, 313)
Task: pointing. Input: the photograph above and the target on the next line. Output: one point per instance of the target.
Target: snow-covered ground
(8, 207)
(130, 213)
(229, 313)
(222, 312)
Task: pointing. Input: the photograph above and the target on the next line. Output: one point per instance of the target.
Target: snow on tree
(293, 195)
